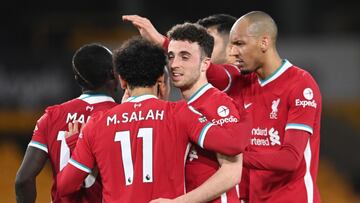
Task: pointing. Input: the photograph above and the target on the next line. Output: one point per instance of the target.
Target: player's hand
(73, 129)
(146, 28)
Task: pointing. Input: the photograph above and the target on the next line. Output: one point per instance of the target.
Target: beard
(245, 72)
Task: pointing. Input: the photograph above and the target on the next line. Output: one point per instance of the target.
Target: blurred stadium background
(38, 38)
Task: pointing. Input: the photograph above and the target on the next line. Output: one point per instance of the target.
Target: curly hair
(193, 33)
(139, 62)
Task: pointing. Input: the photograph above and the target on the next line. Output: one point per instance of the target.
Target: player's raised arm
(222, 76)
(146, 28)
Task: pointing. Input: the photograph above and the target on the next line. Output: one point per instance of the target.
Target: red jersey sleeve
(304, 103)
(234, 138)
(165, 44)
(71, 141)
(206, 134)
(222, 76)
(38, 139)
(287, 158)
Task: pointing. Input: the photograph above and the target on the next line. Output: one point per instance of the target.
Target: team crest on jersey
(274, 108)
(223, 111)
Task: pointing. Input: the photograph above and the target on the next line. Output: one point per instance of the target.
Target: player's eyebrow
(184, 53)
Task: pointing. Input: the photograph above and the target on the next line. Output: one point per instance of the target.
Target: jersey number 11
(124, 138)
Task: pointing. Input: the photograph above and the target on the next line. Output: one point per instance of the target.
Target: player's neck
(96, 91)
(138, 91)
(187, 93)
(270, 65)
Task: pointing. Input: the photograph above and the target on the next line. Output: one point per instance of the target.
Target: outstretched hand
(146, 28)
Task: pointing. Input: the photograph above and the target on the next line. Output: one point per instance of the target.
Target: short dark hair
(139, 62)
(222, 22)
(92, 66)
(193, 33)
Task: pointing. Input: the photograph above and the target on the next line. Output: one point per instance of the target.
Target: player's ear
(123, 83)
(162, 87)
(265, 43)
(205, 64)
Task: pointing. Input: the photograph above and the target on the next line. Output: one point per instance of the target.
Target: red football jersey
(202, 164)
(49, 136)
(139, 148)
(288, 99)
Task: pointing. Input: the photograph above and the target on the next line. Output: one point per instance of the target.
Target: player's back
(49, 133)
(139, 150)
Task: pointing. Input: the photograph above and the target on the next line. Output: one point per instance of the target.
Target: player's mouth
(239, 63)
(176, 76)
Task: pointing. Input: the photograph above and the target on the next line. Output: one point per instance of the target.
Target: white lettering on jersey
(221, 121)
(268, 137)
(75, 117)
(308, 95)
(136, 116)
(305, 103)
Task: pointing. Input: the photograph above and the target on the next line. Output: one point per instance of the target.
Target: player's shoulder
(300, 76)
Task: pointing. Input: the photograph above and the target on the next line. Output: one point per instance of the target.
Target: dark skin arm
(25, 182)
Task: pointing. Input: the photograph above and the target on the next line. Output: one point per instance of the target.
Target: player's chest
(269, 108)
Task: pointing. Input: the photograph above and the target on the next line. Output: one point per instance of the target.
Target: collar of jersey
(95, 98)
(141, 98)
(284, 66)
(199, 92)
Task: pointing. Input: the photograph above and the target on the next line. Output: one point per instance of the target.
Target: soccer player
(218, 26)
(286, 101)
(189, 51)
(145, 138)
(93, 70)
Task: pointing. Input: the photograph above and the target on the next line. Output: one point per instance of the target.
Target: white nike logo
(247, 105)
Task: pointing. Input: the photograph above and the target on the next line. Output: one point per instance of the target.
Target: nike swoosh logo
(247, 105)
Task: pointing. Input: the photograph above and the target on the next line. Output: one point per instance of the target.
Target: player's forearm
(226, 177)
(25, 190)
(219, 76)
(71, 141)
(287, 158)
(69, 180)
(282, 160)
(234, 138)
